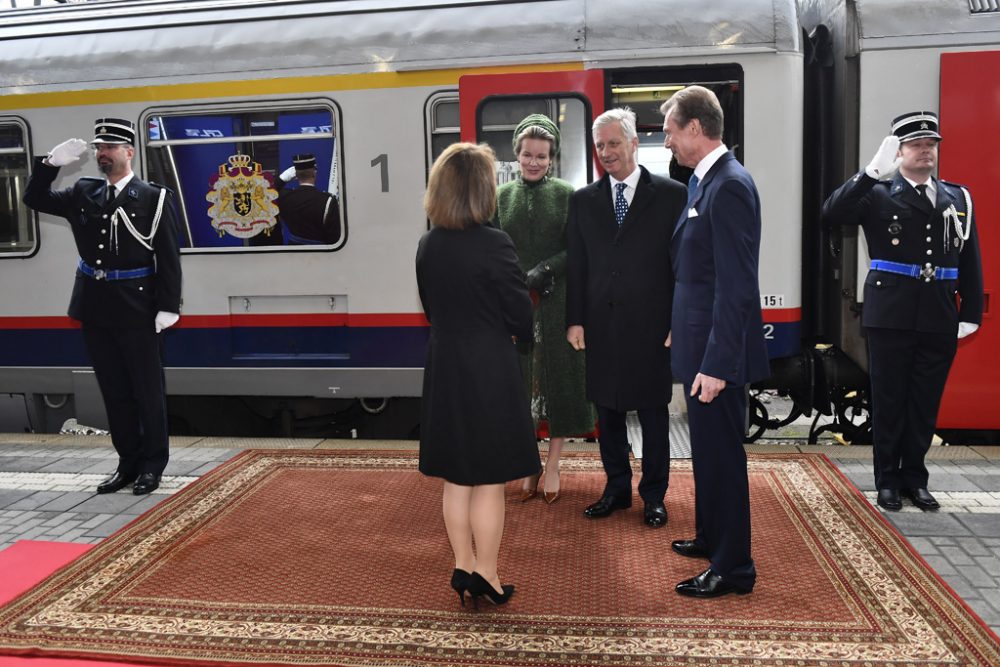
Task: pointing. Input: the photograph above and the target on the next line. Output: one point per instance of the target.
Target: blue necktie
(621, 204)
(692, 188)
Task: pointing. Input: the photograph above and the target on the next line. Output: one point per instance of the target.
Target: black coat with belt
(620, 289)
(114, 303)
(902, 226)
(476, 425)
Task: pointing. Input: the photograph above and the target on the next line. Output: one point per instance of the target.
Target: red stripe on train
(303, 320)
(245, 320)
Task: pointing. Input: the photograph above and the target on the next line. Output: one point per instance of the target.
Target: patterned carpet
(340, 558)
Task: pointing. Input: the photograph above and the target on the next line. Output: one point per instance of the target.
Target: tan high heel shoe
(550, 497)
(528, 494)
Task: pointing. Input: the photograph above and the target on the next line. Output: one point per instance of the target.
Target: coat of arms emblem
(242, 199)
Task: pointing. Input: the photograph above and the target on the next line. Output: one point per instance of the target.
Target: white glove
(66, 152)
(885, 163)
(965, 328)
(165, 320)
(287, 174)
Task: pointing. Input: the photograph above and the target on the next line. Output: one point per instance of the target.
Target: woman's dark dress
(476, 425)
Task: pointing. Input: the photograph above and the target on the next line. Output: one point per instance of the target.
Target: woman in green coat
(532, 210)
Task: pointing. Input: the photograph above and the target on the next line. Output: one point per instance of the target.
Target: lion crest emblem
(242, 199)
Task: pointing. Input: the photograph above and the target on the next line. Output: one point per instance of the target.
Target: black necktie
(922, 190)
(111, 193)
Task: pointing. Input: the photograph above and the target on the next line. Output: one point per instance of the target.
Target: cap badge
(923, 125)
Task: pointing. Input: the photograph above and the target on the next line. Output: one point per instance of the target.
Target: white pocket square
(692, 213)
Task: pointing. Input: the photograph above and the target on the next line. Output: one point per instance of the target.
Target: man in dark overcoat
(619, 294)
(127, 290)
(311, 217)
(924, 246)
(718, 345)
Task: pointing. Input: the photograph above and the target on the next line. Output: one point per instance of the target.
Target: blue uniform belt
(927, 272)
(116, 274)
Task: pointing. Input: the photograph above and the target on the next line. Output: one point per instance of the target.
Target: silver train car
(289, 339)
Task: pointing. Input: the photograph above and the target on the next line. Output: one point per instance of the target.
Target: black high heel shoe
(460, 582)
(478, 586)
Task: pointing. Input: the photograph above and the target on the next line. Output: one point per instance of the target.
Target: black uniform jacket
(114, 303)
(903, 226)
(620, 289)
(309, 214)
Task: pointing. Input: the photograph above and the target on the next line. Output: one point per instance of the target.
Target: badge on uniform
(133, 193)
(895, 228)
(692, 213)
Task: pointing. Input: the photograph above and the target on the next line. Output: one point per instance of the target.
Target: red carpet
(325, 558)
(25, 564)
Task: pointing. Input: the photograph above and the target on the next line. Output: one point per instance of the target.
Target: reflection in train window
(498, 116)
(17, 224)
(442, 124)
(225, 165)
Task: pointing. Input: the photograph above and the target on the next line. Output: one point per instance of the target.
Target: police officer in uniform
(924, 246)
(127, 290)
(311, 217)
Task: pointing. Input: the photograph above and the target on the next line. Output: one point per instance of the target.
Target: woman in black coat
(476, 428)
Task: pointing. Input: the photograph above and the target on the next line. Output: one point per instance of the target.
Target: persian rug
(340, 558)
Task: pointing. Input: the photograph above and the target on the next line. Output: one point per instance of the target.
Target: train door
(491, 106)
(970, 114)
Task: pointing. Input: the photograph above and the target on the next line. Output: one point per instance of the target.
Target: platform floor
(47, 493)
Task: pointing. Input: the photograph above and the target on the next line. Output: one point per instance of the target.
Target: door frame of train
(969, 105)
(475, 89)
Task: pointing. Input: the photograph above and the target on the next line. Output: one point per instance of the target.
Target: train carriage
(293, 340)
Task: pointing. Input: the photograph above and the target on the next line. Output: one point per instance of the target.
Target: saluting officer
(925, 250)
(127, 290)
(311, 217)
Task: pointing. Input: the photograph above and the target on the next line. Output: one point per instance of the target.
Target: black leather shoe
(116, 482)
(708, 584)
(654, 515)
(606, 505)
(921, 498)
(689, 548)
(147, 482)
(889, 499)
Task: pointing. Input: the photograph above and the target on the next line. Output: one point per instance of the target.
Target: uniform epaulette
(163, 187)
(954, 185)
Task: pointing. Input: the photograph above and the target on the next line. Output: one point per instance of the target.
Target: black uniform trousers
(721, 487)
(129, 368)
(615, 449)
(908, 370)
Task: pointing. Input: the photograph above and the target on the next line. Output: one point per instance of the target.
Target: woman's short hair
(535, 132)
(462, 188)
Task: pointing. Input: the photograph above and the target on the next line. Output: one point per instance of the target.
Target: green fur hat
(544, 122)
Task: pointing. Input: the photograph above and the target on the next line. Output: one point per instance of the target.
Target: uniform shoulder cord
(121, 215)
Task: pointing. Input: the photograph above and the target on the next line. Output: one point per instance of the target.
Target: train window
(498, 116)
(442, 123)
(225, 164)
(17, 224)
(644, 90)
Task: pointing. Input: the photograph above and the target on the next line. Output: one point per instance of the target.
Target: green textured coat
(534, 215)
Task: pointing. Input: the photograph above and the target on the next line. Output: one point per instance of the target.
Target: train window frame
(247, 109)
(550, 97)
(21, 210)
(432, 129)
(680, 76)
